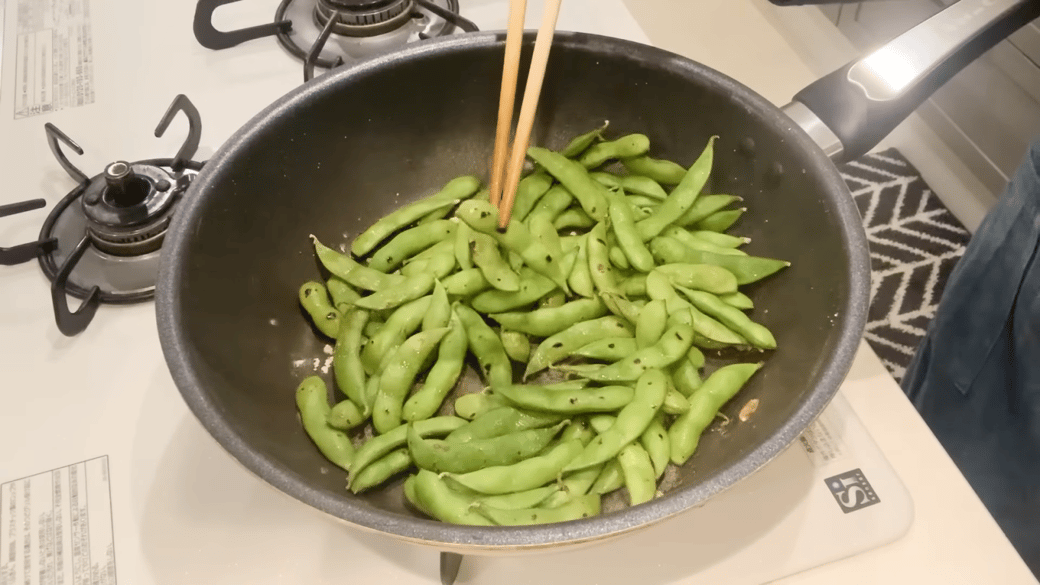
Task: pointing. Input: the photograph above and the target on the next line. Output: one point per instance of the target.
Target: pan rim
(178, 353)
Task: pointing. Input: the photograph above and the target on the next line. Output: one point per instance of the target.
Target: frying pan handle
(850, 110)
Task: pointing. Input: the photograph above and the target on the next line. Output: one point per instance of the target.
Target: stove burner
(363, 18)
(101, 242)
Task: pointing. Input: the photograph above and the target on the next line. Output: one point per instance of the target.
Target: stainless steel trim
(886, 73)
(815, 128)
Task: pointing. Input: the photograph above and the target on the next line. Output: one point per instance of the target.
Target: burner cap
(363, 18)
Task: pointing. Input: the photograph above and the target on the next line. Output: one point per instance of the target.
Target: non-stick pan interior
(335, 155)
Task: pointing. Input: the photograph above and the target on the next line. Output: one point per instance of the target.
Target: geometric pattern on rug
(915, 242)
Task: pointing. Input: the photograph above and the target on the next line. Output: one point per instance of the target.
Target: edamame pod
(380, 445)
(575, 178)
(655, 440)
(553, 300)
(495, 366)
(454, 191)
(463, 457)
(487, 258)
(399, 375)
(663, 171)
(629, 240)
(343, 296)
(758, 335)
(675, 402)
(553, 203)
(312, 402)
(560, 345)
(533, 286)
(698, 243)
(610, 478)
(645, 186)
(603, 399)
(719, 239)
(439, 313)
(572, 219)
(622, 307)
(542, 229)
(345, 415)
(628, 146)
(618, 259)
(546, 322)
(525, 474)
(466, 283)
(519, 500)
(608, 180)
(720, 221)
(630, 423)
(410, 242)
(346, 359)
(579, 143)
(471, 406)
(603, 275)
(638, 471)
(651, 325)
(672, 347)
(460, 247)
(451, 356)
(575, 508)
(634, 286)
(580, 279)
(440, 262)
(358, 275)
(401, 323)
(704, 206)
(314, 299)
(432, 495)
(516, 344)
(737, 300)
(686, 378)
(722, 385)
(502, 421)
(706, 277)
(379, 471)
(682, 197)
(746, 269)
(609, 349)
(411, 289)
(528, 192)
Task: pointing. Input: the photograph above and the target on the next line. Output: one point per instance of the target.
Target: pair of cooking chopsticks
(505, 174)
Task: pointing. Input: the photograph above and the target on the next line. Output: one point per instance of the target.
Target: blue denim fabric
(976, 376)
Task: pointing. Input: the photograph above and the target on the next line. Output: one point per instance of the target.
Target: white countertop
(47, 376)
(953, 538)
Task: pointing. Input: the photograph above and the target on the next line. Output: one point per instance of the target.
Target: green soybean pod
(672, 347)
(574, 509)
(397, 379)
(645, 186)
(634, 286)
(432, 495)
(609, 349)
(610, 478)
(686, 377)
(312, 401)
(608, 180)
(601, 422)
(531, 397)
(603, 275)
(558, 346)
(638, 472)
(471, 406)
(516, 344)
(628, 146)
(314, 299)
(575, 178)
(410, 242)
(380, 445)
(572, 219)
(578, 429)
(720, 221)
(399, 325)
(662, 171)
(525, 474)
(737, 300)
(451, 356)
(675, 402)
(580, 279)
(342, 294)
(439, 313)
(533, 286)
(411, 289)
(487, 258)
(746, 269)
(644, 202)
(543, 231)
(623, 224)
(380, 470)
(719, 239)
(622, 307)
(698, 243)
(713, 329)
(655, 440)
(722, 385)
(495, 366)
(757, 334)
(466, 283)
(464, 457)
(682, 197)
(706, 277)
(652, 322)
(345, 415)
(618, 258)
(705, 206)
(454, 191)
(355, 274)
(630, 423)
(553, 203)
(579, 143)
(460, 247)
(433, 256)
(502, 421)
(553, 300)
(519, 500)
(528, 192)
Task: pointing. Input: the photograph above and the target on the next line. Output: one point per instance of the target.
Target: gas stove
(107, 475)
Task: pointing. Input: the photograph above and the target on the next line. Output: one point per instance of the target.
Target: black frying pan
(333, 155)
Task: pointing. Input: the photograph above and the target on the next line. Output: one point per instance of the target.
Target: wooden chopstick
(510, 70)
(525, 123)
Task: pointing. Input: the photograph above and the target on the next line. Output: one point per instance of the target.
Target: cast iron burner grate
(101, 242)
(328, 33)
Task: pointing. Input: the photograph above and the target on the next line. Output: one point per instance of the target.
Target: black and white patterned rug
(914, 244)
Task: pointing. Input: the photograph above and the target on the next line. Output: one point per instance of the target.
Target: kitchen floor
(792, 47)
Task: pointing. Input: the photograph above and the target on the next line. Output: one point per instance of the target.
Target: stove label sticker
(821, 441)
(852, 491)
(54, 61)
(56, 527)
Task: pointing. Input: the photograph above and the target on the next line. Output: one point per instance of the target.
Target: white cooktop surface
(114, 471)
